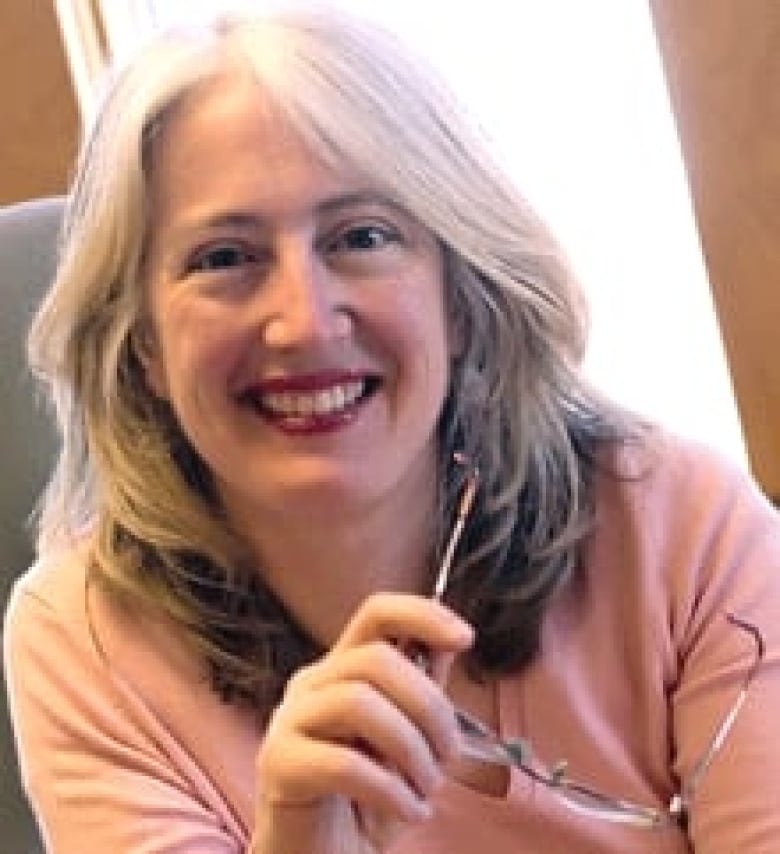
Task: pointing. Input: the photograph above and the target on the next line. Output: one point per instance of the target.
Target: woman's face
(297, 318)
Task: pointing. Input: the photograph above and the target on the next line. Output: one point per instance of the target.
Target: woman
(300, 322)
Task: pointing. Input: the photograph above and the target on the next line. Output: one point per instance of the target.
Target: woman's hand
(357, 745)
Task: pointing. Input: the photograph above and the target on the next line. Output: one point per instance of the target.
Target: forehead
(232, 98)
(228, 137)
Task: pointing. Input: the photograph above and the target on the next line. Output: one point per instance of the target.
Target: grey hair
(517, 407)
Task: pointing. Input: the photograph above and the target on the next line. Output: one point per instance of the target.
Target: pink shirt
(124, 747)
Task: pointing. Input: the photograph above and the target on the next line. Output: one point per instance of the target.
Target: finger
(401, 616)
(311, 771)
(385, 670)
(354, 713)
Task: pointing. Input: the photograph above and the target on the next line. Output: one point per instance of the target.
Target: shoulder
(691, 523)
(49, 644)
(50, 598)
(681, 483)
(84, 672)
(660, 462)
(62, 626)
(59, 609)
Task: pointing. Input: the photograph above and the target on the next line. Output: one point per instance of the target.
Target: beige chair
(28, 241)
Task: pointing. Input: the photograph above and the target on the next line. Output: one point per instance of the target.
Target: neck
(323, 566)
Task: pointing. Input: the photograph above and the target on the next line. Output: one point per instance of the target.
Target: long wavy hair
(518, 406)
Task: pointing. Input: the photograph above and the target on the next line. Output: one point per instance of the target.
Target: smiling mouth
(325, 406)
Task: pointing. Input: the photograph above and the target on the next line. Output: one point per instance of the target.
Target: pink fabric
(125, 748)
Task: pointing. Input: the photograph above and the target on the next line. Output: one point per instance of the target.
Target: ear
(146, 348)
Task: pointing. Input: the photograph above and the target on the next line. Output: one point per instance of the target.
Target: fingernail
(422, 808)
(465, 630)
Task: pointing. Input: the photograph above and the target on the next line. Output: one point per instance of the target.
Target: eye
(364, 237)
(222, 256)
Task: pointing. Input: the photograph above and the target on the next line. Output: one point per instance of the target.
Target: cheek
(414, 329)
(198, 345)
(423, 320)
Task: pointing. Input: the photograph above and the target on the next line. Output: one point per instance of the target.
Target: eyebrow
(329, 205)
(355, 199)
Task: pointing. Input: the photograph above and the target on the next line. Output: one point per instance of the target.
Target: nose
(307, 302)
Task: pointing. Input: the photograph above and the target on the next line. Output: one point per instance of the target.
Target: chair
(28, 241)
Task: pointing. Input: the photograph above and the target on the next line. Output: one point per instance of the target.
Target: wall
(39, 125)
(722, 60)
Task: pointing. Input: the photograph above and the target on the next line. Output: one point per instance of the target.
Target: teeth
(326, 401)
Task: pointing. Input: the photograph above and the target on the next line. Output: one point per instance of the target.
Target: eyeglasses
(480, 742)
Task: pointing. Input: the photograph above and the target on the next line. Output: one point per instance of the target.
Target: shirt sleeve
(728, 537)
(100, 774)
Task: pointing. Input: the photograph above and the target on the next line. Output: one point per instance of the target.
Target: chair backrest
(28, 248)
